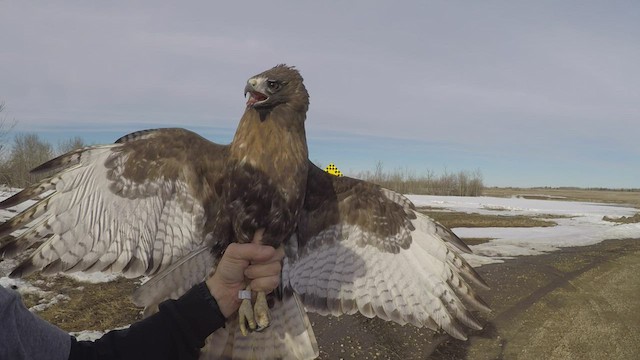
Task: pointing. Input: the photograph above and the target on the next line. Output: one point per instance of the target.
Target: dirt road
(578, 303)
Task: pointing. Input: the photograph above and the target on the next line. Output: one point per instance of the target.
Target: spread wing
(363, 248)
(134, 207)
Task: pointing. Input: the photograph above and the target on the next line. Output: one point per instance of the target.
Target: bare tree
(462, 183)
(64, 146)
(378, 173)
(477, 184)
(6, 126)
(28, 151)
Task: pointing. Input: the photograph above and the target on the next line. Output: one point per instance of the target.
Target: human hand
(242, 264)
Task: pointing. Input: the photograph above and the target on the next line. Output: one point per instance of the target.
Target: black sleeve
(177, 331)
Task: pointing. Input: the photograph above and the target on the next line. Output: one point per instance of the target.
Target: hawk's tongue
(255, 97)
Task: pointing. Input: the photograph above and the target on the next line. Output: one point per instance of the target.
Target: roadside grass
(101, 306)
(624, 219)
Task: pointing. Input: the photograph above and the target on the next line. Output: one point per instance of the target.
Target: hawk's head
(279, 85)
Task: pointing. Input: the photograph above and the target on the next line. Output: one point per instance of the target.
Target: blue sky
(542, 93)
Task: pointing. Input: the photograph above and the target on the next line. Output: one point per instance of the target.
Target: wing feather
(133, 207)
(363, 248)
(176, 279)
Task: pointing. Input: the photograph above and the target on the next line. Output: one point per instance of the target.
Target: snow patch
(92, 278)
(579, 224)
(92, 335)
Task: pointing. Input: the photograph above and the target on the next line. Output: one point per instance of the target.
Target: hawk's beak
(249, 87)
(253, 88)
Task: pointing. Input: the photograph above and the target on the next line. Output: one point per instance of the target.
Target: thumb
(250, 252)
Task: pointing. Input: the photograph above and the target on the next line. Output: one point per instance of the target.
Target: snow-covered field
(579, 224)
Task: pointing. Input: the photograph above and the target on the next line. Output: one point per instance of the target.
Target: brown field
(91, 306)
(627, 197)
(454, 219)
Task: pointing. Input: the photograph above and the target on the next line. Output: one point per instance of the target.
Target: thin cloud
(455, 84)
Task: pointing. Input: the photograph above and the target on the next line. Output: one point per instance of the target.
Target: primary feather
(166, 203)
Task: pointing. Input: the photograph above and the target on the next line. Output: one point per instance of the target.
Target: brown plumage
(266, 169)
(167, 202)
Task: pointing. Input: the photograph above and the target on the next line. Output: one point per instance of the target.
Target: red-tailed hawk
(166, 203)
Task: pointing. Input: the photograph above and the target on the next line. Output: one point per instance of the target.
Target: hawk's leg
(257, 317)
(245, 315)
(261, 311)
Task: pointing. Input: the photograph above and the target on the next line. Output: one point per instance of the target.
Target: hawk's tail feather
(176, 279)
(289, 336)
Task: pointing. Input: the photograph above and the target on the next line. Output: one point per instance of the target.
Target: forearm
(177, 331)
(24, 335)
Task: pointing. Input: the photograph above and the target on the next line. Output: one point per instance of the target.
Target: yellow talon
(246, 316)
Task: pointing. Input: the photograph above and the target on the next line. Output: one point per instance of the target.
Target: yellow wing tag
(333, 170)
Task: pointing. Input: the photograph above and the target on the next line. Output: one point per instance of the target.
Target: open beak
(256, 97)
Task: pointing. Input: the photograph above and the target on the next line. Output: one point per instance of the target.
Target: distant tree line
(24, 151)
(462, 183)
(28, 151)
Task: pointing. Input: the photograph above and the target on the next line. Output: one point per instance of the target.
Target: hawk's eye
(273, 85)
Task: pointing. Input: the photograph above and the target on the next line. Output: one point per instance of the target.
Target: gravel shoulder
(576, 303)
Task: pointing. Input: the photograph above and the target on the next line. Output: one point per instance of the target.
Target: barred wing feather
(133, 207)
(362, 248)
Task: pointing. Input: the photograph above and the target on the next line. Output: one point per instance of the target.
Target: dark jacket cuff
(201, 315)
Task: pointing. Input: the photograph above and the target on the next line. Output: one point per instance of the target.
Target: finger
(278, 255)
(258, 270)
(249, 253)
(266, 284)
